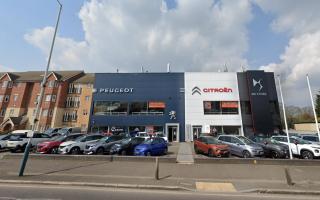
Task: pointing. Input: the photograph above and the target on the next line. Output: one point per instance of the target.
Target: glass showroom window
(220, 107)
(110, 108)
(138, 108)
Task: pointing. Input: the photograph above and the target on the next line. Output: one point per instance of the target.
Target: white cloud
(194, 36)
(301, 20)
(6, 69)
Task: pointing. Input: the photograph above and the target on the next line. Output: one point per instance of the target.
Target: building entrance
(172, 131)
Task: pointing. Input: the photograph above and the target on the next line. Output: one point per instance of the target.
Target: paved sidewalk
(185, 155)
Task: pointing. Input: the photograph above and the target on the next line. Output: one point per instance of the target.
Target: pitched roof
(87, 78)
(37, 76)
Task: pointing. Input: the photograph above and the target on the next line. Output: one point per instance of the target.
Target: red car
(52, 146)
(211, 146)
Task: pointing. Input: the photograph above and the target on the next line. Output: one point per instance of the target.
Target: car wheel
(100, 151)
(75, 151)
(210, 153)
(165, 151)
(274, 154)
(196, 150)
(307, 155)
(54, 150)
(123, 153)
(246, 154)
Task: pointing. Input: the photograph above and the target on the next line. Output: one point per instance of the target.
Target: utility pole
(285, 118)
(42, 87)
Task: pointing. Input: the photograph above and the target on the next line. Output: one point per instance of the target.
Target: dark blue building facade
(144, 102)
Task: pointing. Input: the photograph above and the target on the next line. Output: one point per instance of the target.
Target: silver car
(241, 146)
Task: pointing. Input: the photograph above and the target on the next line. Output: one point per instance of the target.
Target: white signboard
(30, 134)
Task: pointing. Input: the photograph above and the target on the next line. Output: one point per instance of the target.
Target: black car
(126, 147)
(272, 148)
(104, 145)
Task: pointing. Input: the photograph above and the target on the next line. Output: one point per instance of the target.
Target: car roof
(230, 135)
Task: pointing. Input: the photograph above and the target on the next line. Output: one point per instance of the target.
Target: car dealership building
(184, 105)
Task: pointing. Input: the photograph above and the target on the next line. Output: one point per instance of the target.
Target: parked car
(126, 146)
(104, 145)
(52, 146)
(77, 146)
(161, 135)
(241, 146)
(311, 138)
(18, 140)
(69, 130)
(151, 147)
(211, 146)
(52, 131)
(3, 140)
(300, 147)
(143, 134)
(272, 148)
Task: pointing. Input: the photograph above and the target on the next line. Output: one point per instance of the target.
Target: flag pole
(313, 108)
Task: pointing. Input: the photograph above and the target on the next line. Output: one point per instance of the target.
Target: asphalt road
(59, 192)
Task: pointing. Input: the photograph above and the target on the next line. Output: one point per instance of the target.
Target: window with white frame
(54, 98)
(15, 97)
(48, 98)
(10, 83)
(73, 102)
(44, 112)
(50, 84)
(56, 84)
(5, 84)
(11, 112)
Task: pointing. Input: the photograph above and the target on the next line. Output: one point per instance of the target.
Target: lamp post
(313, 108)
(285, 118)
(42, 87)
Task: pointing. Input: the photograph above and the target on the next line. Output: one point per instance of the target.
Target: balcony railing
(74, 90)
(72, 104)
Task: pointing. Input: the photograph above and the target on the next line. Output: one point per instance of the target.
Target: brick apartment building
(62, 104)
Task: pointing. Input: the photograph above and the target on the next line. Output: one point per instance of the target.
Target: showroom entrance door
(172, 131)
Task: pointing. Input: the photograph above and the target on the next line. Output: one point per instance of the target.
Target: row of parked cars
(302, 146)
(78, 143)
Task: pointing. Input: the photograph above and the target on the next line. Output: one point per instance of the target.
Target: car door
(237, 145)
(155, 146)
(227, 140)
(200, 144)
(295, 146)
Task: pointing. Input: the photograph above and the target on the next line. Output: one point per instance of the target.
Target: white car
(3, 140)
(161, 135)
(18, 140)
(300, 147)
(143, 135)
(77, 146)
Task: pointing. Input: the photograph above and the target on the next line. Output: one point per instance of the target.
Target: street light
(42, 87)
(314, 110)
(285, 118)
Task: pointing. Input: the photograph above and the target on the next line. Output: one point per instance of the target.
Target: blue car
(152, 147)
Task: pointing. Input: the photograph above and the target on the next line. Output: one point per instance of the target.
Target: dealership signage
(257, 86)
(197, 90)
(115, 90)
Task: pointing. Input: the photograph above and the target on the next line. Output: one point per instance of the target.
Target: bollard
(288, 177)
(156, 175)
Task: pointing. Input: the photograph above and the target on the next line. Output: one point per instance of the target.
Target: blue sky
(106, 35)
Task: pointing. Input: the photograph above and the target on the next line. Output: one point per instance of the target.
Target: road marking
(215, 187)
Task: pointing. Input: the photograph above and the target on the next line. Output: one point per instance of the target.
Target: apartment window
(56, 84)
(51, 84)
(2, 112)
(37, 99)
(6, 98)
(74, 89)
(5, 84)
(73, 102)
(44, 112)
(220, 107)
(50, 113)
(85, 112)
(48, 97)
(10, 83)
(11, 112)
(15, 97)
(53, 98)
(1, 98)
(70, 116)
(87, 98)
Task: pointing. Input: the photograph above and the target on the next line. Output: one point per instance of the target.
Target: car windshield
(272, 141)
(3, 136)
(63, 131)
(245, 140)
(57, 138)
(212, 140)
